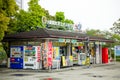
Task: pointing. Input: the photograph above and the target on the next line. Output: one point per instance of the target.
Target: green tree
(23, 20)
(29, 20)
(69, 21)
(60, 16)
(99, 33)
(94, 32)
(116, 27)
(8, 9)
(36, 13)
(116, 37)
(48, 16)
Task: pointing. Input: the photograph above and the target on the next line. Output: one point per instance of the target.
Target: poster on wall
(56, 53)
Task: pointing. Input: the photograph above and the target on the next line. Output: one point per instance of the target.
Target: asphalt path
(94, 72)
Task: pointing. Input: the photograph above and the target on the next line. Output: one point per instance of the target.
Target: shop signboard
(52, 23)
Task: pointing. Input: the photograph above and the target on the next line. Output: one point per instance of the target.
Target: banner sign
(117, 50)
(49, 53)
(38, 54)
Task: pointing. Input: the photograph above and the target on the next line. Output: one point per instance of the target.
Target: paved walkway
(55, 70)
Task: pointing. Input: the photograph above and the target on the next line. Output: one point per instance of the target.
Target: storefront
(44, 49)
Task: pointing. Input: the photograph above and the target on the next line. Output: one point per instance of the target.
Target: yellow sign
(87, 61)
(78, 44)
(59, 44)
(63, 61)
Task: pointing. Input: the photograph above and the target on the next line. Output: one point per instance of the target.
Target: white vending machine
(31, 57)
(81, 58)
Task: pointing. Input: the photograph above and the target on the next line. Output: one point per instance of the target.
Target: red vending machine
(104, 55)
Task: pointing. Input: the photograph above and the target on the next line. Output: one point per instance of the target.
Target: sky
(91, 14)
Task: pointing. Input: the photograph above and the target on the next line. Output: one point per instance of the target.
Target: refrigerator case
(16, 57)
(31, 57)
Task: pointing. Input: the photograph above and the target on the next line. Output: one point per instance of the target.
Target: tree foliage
(94, 32)
(69, 21)
(36, 13)
(60, 16)
(8, 9)
(48, 16)
(29, 20)
(116, 28)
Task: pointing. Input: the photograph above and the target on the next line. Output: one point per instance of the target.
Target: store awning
(48, 33)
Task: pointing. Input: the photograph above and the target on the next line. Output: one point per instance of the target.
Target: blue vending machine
(16, 57)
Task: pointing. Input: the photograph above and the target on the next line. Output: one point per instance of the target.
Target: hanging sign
(67, 40)
(61, 40)
(73, 41)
